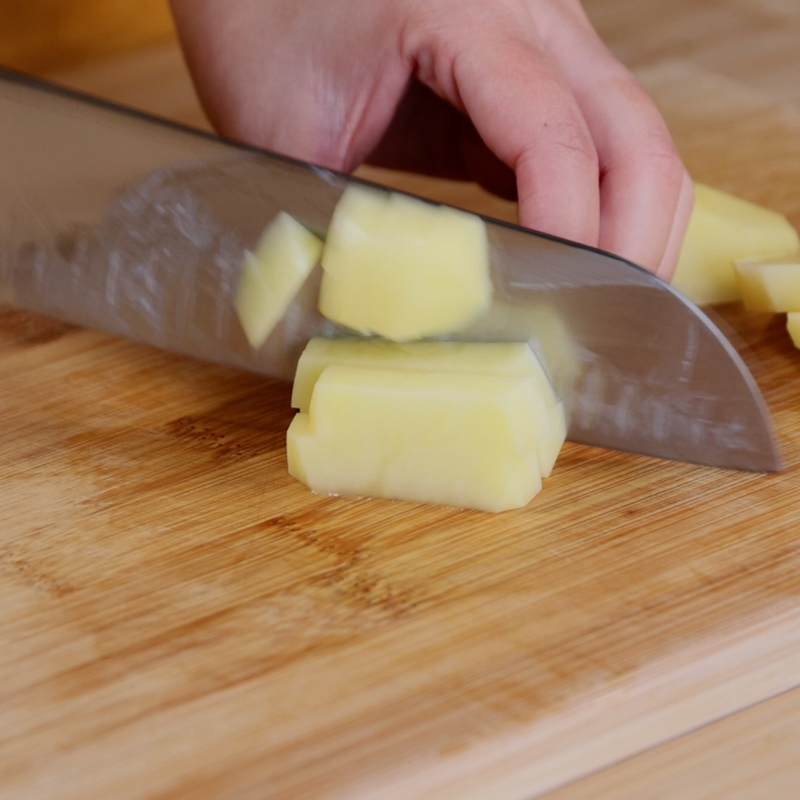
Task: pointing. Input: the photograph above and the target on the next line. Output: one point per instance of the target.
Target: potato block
(488, 358)
(770, 284)
(724, 229)
(492, 481)
(402, 268)
(468, 411)
(453, 439)
(509, 359)
(793, 326)
(272, 275)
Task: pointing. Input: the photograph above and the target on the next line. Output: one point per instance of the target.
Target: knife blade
(119, 221)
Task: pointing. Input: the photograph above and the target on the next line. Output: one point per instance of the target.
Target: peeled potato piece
(464, 440)
(486, 481)
(403, 268)
(771, 284)
(724, 229)
(272, 275)
(490, 358)
(509, 359)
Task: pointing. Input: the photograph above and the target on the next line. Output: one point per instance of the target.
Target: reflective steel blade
(117, 221)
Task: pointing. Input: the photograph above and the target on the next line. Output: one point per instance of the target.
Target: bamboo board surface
(181, 619)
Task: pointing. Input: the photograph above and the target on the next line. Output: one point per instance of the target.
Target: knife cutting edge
(122, 222)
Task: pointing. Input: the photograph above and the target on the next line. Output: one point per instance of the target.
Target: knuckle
(663, 158)
(573, 138)
(649, 136)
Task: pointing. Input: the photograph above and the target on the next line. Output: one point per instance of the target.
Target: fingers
(680, 223)
(593, 158)
(641, 174)
(523, 109)
(645, 193)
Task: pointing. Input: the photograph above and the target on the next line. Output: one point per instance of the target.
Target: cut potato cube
(486, 481)
(793, 326)
(455, 439)
(273, 274)
(509, 359)
(770, 284)
(724, 229)
(488, 358)
(468, 411)
(403, 268)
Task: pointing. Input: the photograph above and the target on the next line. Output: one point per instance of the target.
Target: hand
(520, 95)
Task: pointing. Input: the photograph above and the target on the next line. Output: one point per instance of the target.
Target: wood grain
(181, 619)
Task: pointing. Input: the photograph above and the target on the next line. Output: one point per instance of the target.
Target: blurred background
(121, 50)
(47, 36)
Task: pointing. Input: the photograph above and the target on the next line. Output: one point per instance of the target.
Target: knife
(122, 222)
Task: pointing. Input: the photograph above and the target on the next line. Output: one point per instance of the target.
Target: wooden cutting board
(182, 619)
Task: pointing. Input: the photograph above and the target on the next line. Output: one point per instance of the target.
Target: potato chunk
(489, 358)
(485, 481)
(272, 275)
(508, 359)
(771, 284)
(724, 229)
(403, 268)
(458, 439)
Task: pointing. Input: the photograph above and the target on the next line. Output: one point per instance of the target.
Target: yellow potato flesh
(272, 275)
(475, 412)
(793, 326)
(504, 359)
(724, 229)
(770, 285)
(402, 268)
(454, 439)
(488, 358)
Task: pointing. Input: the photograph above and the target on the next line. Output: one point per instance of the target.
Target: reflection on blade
(640, 367)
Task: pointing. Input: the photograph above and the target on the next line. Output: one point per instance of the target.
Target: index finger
(527, 115)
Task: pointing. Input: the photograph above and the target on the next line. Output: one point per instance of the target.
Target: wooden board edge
(669, 698)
